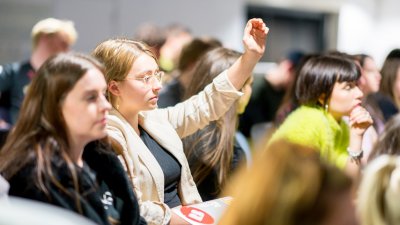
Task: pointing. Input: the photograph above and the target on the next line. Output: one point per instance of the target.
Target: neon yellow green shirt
(315, 128)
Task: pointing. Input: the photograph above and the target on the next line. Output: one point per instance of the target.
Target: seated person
(54, 154)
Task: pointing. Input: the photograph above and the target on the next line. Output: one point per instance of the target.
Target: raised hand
(255, 35)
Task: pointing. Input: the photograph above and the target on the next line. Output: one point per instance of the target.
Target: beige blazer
(167, 127)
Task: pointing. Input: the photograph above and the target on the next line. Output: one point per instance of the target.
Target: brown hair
(211, 148)
(40, 133)
(389, 71)
(389, 141)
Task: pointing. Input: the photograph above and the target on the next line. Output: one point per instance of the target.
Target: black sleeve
(6, 76)
(102, 159)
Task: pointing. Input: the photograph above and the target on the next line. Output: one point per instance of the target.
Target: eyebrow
(90, 91)
(145, 72)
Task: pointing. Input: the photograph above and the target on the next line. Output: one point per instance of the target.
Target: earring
(326, 107)
(117, 103)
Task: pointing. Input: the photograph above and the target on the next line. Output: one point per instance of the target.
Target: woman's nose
(105, 104)
(359, 93)
(156, 84)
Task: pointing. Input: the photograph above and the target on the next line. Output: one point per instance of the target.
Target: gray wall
(97, 20)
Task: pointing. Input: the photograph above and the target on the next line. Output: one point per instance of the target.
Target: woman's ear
(321, 99)
(113, 88)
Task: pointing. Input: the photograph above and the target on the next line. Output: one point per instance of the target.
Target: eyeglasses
(148, 79)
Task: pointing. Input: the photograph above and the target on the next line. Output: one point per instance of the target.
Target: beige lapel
(136, 148)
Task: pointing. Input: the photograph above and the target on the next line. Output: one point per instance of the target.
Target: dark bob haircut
(319, 74)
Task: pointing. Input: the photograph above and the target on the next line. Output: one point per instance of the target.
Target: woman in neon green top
(327, 90)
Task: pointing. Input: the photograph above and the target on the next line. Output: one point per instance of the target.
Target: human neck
(76, 151)
(132, 118)
(336, 116)
(38, 58)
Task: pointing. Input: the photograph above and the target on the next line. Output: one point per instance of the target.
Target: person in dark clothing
(269, 92)
(14, 79)
(49, 37)
(54, 153)
(107, 193)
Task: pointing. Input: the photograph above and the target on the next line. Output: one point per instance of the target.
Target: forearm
(353, 167)
(355, 142)
(242, 69)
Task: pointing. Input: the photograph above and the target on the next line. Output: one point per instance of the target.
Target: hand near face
(360, 120)
(255, 35)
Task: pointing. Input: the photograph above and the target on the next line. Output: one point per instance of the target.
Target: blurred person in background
(177, 36)
(379, 192)
(290, 184)
(387, 100)
(49, 37)
(383, 103)
(173, 91)
(153, 35)
(214, 152)
(268, 92)
(389, 140)
(369, 83)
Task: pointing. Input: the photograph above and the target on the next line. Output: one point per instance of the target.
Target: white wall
(97, 20)
(369, 26)
(364, 26)
(332, 6)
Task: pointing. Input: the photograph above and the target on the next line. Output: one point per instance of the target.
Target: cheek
(363, 81)
(79, 119)
(341, 101)
(70, 121)
(134, 92)
(372, 80)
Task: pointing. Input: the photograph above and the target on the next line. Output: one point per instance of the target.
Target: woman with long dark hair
(53, 154)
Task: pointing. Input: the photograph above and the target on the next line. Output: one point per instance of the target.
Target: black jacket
(101, 166)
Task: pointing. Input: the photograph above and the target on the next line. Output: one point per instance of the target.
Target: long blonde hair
(288, 184)
(379, 192)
